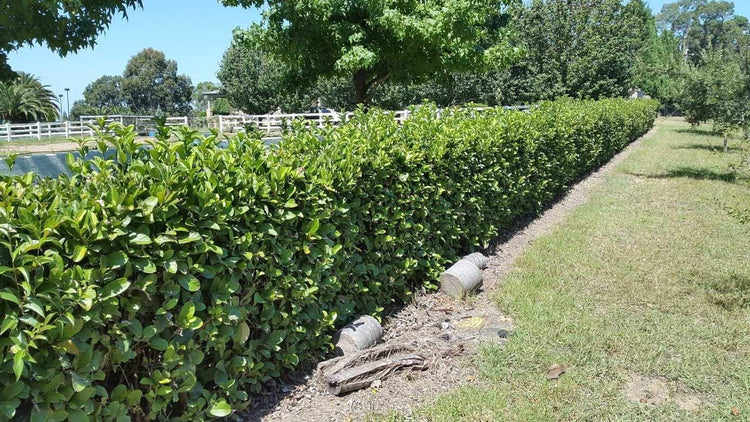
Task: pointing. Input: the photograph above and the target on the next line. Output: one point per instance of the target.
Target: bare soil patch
(647, 390)
(655, 391)
(444, 331)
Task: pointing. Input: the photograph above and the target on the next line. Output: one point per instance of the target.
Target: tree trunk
(359, 80)
(726, 147)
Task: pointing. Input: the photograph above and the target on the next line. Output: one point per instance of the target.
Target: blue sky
(195, 33)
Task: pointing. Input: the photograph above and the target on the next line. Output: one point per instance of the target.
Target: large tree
(150, 83)
(372, 41)
(64, 26)
(576, 48)
(105, 92)
(703, 26)
(256, 83)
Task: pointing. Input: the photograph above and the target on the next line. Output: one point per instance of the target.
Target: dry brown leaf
(554, 371)
(735, 411)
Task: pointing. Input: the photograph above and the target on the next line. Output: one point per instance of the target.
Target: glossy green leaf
(220, 409)
(114, 288)
(79, 253)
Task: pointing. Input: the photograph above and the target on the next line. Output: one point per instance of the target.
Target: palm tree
(25, 99)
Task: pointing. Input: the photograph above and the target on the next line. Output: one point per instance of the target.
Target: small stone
(503, 333)
(376, 384)
(446, 326)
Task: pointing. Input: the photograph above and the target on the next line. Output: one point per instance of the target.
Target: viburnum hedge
(170, 282)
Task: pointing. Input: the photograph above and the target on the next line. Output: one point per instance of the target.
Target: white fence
(69, 129)
(137, 121)
(144, 124)
(39, 130)
(277, 122)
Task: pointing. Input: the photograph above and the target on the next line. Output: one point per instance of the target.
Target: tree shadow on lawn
(730, 291)
(708, 147)
(698, 131)
(692, 173)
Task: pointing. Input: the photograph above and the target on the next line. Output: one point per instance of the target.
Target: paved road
(53, 164)
(44, 165)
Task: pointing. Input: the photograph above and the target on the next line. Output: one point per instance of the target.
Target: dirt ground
(447, 332)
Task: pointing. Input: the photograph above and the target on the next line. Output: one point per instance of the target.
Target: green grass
(34, 141)
(651, 277)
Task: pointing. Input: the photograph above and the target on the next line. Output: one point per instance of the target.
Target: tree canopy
(702, 26)
(105, 92)
(576, 48)
(64, 27)
(372, 41)
(150, 82)
(256, 83)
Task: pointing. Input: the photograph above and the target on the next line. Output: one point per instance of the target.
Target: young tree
(64, 27)
(374, 41)
(718, 91)
(150, 83)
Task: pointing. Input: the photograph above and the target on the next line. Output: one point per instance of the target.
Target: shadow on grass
(731, 291)
(708, 147)
(692, 173)
(697, 131)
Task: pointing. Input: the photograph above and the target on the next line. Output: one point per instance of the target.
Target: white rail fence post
(226, 124)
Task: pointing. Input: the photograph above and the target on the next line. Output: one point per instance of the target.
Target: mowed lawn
(643, 294)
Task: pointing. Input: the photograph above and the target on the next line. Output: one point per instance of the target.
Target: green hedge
(173, 281)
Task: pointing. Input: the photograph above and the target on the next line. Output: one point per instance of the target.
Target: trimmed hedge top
(170, 282)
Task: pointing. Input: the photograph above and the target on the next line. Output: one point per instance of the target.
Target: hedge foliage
(171, 282)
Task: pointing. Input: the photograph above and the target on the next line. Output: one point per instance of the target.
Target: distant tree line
(692, 56)
(576, 48)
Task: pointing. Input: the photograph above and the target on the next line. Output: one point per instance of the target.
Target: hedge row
(171, 282)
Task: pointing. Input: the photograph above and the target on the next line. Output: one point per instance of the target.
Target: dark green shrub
(173, 281)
